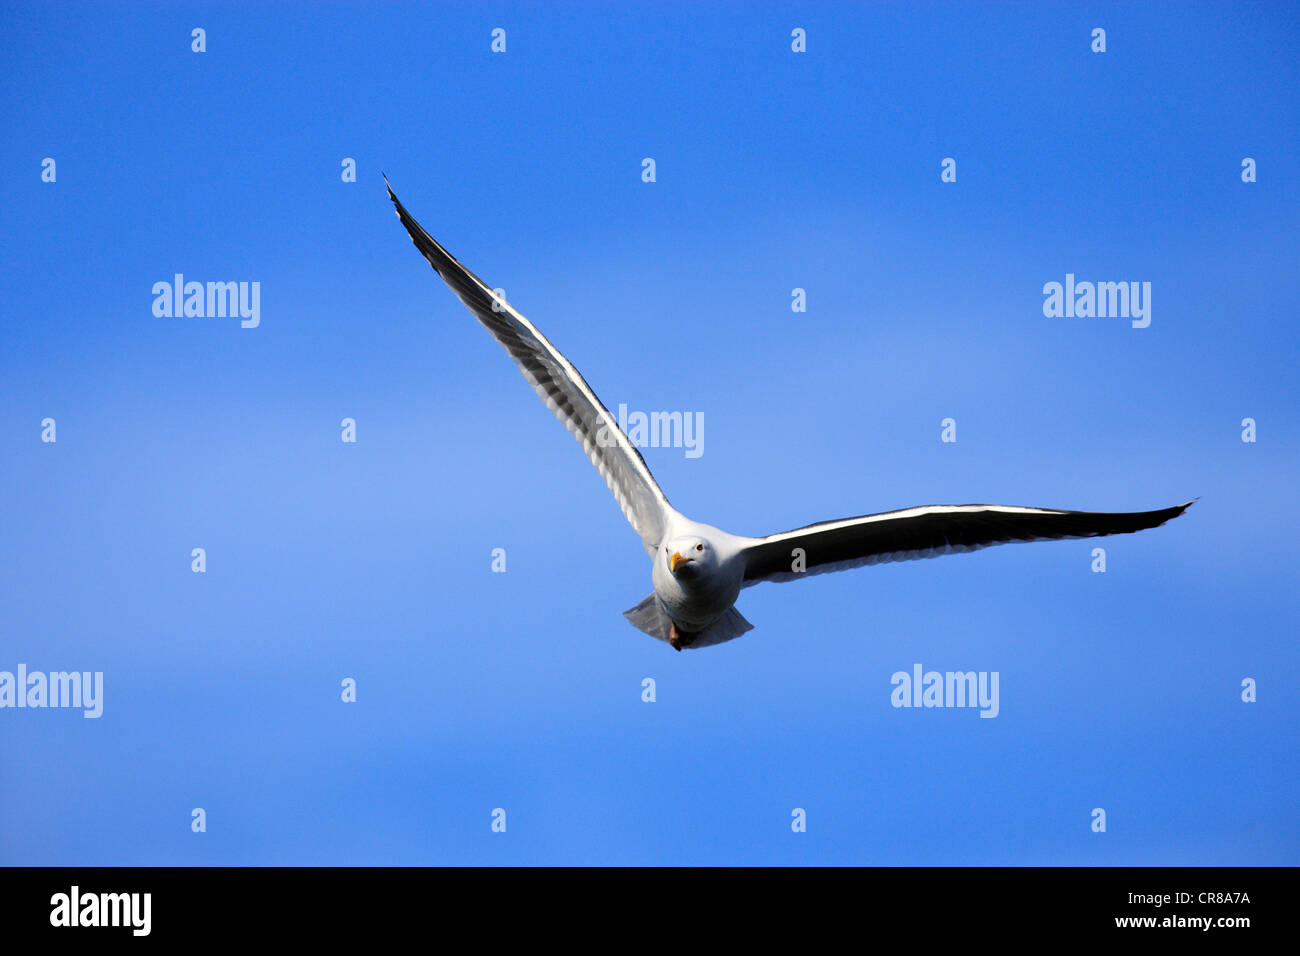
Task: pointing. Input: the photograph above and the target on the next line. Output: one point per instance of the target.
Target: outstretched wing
(927, 533)
(560, 386)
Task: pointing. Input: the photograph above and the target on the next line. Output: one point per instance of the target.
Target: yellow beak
(677, 559)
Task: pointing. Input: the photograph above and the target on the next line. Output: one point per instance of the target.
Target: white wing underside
(559, 385)
(913, 533)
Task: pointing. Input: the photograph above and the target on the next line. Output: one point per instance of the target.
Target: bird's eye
(699, 547)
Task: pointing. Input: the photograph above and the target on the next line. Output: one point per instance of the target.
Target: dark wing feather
(929, 532)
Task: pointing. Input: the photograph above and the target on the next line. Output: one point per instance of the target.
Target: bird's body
(697, 570)
(697, 574)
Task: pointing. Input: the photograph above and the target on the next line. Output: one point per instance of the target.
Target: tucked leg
(679, 639)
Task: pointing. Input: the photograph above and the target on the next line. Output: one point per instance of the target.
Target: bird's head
(689, 557)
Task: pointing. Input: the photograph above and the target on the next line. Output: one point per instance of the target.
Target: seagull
(698, 571)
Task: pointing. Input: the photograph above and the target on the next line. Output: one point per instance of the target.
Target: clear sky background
(522, 690)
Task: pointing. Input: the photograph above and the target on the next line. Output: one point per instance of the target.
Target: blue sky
(775, 170)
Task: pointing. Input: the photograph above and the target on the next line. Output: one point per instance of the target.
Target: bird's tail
(649, 616)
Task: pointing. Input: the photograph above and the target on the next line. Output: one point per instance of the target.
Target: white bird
(698, 570)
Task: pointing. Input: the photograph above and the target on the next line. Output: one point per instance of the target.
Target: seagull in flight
(698, 570)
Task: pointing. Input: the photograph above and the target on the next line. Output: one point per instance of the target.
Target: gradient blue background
(522, 690)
